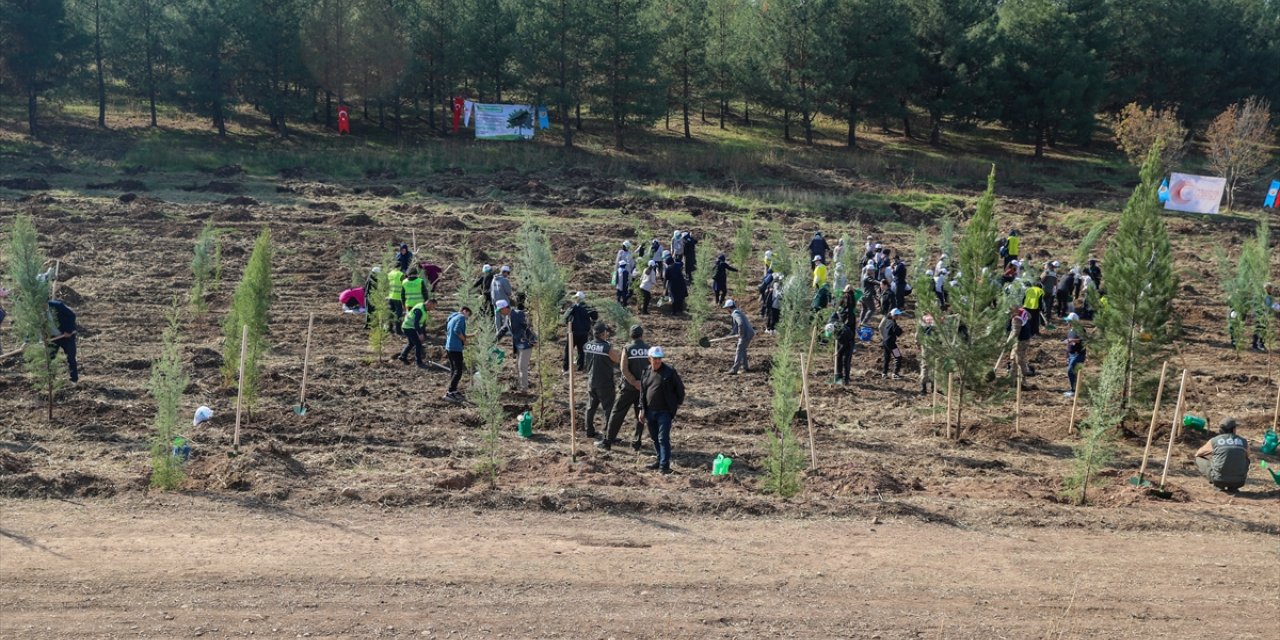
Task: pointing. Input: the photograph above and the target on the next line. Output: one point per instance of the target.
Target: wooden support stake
(306, 357)
(1075, 399)
(1275, 418)
(1017, 404)
(1151, 430)
(415, 241)
(933, 409)
(244, 343)
(1173, 432)
(53, 284)
(573, 406)
(808, 413)
(950, 376)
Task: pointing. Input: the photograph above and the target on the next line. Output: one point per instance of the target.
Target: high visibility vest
(414, 292)
(819, 275)
(395, 278)
(1012, 246)
(1032, 299)
(408, 317)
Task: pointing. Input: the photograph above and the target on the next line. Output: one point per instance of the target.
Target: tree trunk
(328, 109)
(684, 102)
(31, 112)
(724, 106)
(577, 115)
(97, 56)
(786, 125)
(808, 127)
(1039, 142)
(852, 138)
(906, 120)
(935, 131)
(746, 112)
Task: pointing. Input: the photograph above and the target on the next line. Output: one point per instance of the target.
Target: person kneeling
(1224, 459)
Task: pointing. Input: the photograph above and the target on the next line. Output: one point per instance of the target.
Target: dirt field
(380, 453)
(174, 567)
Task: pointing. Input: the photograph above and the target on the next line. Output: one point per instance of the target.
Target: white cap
(581, 295)
(944, 256)
(1071, 317)
(656, 352)
(817, 258)
(626, 243)
(768, 253)
(896, 312)
(505, 269)
(1055, 263)
(653, 263)
(501, 304)
(876, 246)
(870, 237)
(487, 268)
(622, 263)
(203, 414)
(729, 304)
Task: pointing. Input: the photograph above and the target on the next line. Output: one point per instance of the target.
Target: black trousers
(626, 404)
(677, 305)
(456, 367)
(844, 362)
(397, 315)
(579, 340)
(68, 346)
(646, 296)
(897, 360)
(413, 343)
(599, 400)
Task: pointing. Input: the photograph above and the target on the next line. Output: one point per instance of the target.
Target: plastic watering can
(720, 466)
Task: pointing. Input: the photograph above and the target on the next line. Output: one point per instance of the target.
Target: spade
(704, 342)
(301, 408)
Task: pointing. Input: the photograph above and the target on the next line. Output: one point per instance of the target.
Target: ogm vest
(636, 360)
(415, 292)
(600, 367)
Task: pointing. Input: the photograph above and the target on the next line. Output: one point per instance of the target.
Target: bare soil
(380, 449)
(181, 567)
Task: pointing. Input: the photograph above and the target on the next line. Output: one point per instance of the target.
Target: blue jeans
(1074, 362)
(660, 433)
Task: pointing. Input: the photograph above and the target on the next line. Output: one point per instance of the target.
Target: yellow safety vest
(395, 278)
(415, 290)
(1012, 246)
(819, 275)
(1032, 299)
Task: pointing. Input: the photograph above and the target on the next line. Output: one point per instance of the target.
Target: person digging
(743, 329)
(1224, 459)
(628, 399)
(414, 328)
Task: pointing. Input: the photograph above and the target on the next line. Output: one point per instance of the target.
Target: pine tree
(544, 286)
(380, 329)
(1098, 430)
(31, 315)
(1137, 315)
(38, 47)
(140, 44)
(486, 392)
(969, 337)
(250, 307)
(684, 45)
(204, 265)
(699, 305)
(784, 459)
(1244, 284)
(627, 87)
(873, 62)
(167, 385)
(743, 238)
(555, 36)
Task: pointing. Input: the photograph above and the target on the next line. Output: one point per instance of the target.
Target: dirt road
(183, 567)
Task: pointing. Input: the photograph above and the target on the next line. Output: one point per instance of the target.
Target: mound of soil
(67, 484)
(121, 185)
(356, 220)
(25, 184)
(232, 215)
(459, 191)
(205, 358)
(12, 463)
(490, 209)
(38, 198)
(267, 471)
(448, 222)
(324, 206)
(853, 479)
(241, 201)
(69, 295)
(378, 190)
(227, 171)
(126, 198)
(213, 186)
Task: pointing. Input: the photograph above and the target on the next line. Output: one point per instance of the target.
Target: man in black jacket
(578, 318)
(661, 394)
(677, 287)
(635, 361)
(900, 283)
(690, 255)
(845, 339)
(63, 320)
(889, 333)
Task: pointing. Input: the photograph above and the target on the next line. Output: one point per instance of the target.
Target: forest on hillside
(1044, 69)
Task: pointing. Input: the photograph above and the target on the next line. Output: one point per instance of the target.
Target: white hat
(581, 295)
(487, 268)
(656, 352)
(1071, 317)
(203, 414)
(653, 263)
(622, 263)
(729, 304)
(1055, 263)
(896, 312)
(817, 258)
(768, 253)
(870, 237)
(505, 269)
(944, 256)
(876, 246)
(626, 243)
(501, 304)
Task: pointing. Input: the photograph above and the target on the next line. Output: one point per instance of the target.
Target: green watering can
(524, 426)
(720, 466)
(1274, 475)
(1195, 423)
(1270, 441)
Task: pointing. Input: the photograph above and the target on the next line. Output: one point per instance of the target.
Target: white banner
(1194, 194)
(504, 121)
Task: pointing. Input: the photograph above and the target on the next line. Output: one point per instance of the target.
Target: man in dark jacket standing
(63, 320)
(661, 394)
(522, 340)
(818, 247)
(578, 319)
(690, 255)
(889, 333)
(635, 361)
(845, 339)
(602, 359)
(900, 283)
(404, 258)
(677, 288)
(720, 279)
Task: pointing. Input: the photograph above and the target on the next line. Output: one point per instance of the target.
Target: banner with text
(1194, 194)
(504, 121)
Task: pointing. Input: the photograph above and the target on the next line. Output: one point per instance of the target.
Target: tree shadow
(29, 543)
(258, 505)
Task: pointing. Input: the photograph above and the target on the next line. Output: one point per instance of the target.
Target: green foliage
(351, 260)
(250, 307)
(167, 385)
(1098, 430)
(618, 316)
(920, 259)
(743, 238)
(1089, 241)
(31, 315)
(683, 36)
(1138, 315)
(543, 283)
(782, 256)
(947, 235)
(628, 89)
(784, 459)
(1244, 284)
(40, 48)
(873, 60)
(486, 392)
(380, 329)
(974, 305)
(796, 317)
(205, 265)
(698, 305)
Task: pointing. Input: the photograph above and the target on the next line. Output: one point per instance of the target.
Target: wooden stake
(244, 342)
(1275, 418)
(808, 413)
(1017, 403)
(933, 409)
(1173, 432)
(1075, 399)
(573, 406)
(306, 356)
(415, 241)
(1151, 430)
(950, 376)
(53, 285)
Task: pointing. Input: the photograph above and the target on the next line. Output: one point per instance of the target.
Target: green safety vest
(407, 325)
(1012, 246)
(395, 278)
(414, 292)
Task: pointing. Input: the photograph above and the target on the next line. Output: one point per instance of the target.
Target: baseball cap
(203, 414)
(501, 304)
(656, 352)
(601, 328)
(487, 268)
(505, 269)
(1071, 317)
(817, 258)
(653, 263)
(896, 312)
(581, 295)
(729, 304)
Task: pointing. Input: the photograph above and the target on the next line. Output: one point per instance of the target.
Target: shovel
(704, 342)
(437, 365)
